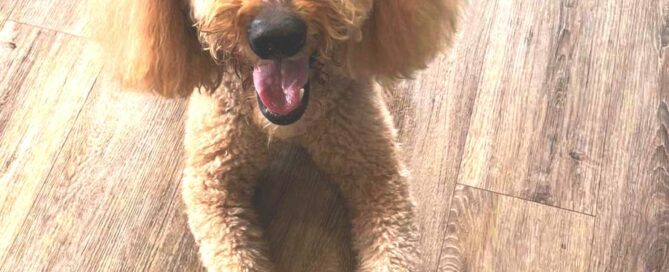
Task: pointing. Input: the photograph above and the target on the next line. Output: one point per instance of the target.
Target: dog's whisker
(267, 124)
(269, 141)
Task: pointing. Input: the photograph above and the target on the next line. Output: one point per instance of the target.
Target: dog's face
(278, 44)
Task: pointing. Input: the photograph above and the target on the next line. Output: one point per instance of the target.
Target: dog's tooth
(301, 93)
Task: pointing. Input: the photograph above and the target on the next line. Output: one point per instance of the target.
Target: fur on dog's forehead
(337, 19)
(223, 23)
(356, 9)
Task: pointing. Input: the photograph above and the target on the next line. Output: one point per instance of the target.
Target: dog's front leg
(224, 157)
(355, 145)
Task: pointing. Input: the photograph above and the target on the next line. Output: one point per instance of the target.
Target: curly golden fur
(172, 47)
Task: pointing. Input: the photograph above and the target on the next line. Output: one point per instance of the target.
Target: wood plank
(489, 232)
(537, 125)
(433, 115)
(69, 16)
(112, 200)
(632, 228)
(46, 79)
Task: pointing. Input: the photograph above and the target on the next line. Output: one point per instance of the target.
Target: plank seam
(48, 29)
(528, 201)
(462, 152)
(448, 219)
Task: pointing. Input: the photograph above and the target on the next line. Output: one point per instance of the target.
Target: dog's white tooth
(301, 93)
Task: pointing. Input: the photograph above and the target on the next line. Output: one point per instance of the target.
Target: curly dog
(306, 72)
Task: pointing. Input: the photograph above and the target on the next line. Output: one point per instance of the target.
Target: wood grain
(126, 215)
(489, 232)
(67, 16)
(432, 113)
(632, 230)
(6, 8)
(45, 81)
(537, 125)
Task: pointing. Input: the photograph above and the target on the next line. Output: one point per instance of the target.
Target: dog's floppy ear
(152, 45)
(401, 36)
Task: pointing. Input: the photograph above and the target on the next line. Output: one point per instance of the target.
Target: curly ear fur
(401, 36)
(153, 46)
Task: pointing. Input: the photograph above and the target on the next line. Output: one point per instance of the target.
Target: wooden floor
(540, 143)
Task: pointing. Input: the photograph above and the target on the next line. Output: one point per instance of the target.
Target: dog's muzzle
(281, 79)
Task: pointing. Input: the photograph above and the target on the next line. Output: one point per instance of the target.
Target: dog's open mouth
(282, 87)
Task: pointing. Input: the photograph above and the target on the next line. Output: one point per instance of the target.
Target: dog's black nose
(277, 33)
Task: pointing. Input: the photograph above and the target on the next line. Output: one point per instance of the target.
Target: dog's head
(173, 46)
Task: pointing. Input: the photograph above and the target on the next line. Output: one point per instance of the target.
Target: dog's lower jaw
(354, 143)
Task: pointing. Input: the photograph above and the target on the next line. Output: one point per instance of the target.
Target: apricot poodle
(301, 71)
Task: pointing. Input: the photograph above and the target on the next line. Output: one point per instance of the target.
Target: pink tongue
(278, 84)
